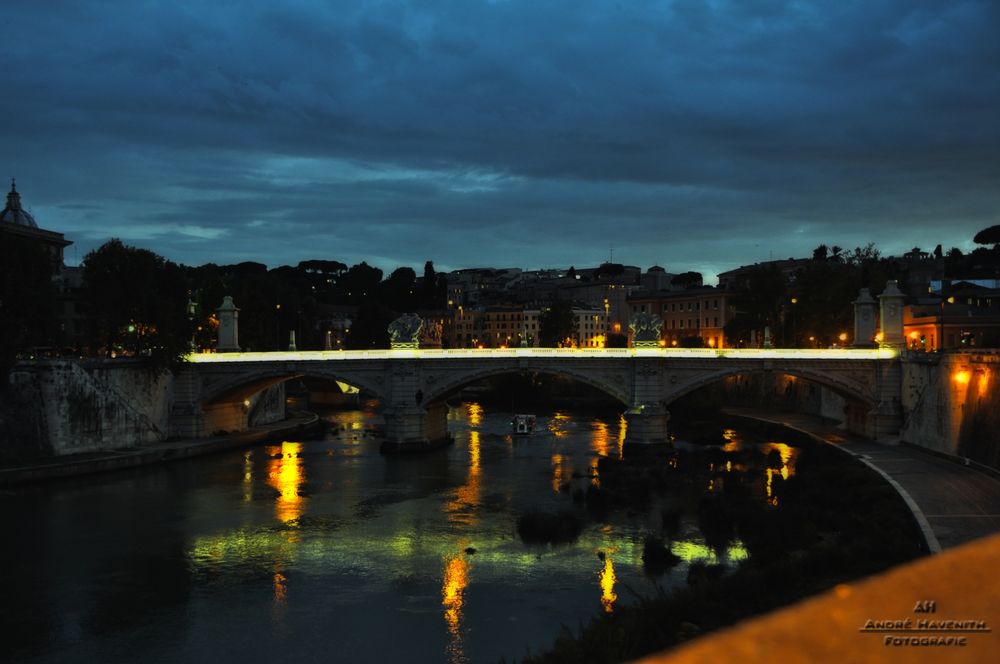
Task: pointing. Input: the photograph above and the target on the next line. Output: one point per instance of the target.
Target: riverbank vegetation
(830, 521)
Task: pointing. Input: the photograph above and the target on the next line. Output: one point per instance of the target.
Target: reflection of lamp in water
(607, 579)
(456, 578)
(286, 476)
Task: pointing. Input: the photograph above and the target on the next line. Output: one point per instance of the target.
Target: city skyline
(505, 134)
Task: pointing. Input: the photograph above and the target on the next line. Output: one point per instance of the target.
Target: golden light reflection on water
(248, 477)
(607, 579)
(557, 425)
(475, 414)
(622, 431)
(286, 474)
(562, 471)
(599, 438)
(733, 443)
(453, 585)
(788, 455)
(461, 509)
(280, 589)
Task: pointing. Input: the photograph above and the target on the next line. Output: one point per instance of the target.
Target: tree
(359, 283)
(137, 301)
(397, 292)
(687, 280)
(820, 253)
(556, 324)
(371, 328)
(990, 235)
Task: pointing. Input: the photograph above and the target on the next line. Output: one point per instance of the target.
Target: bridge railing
(594, 353)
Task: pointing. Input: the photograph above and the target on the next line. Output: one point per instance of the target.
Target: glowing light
(462, 509)
(286, 475)
(453, 585)
(962, 377)
(689, 551)
(599, 439)
(475, 412)
(607, 579)
(473, 353)
(787, 453)
(914, 335)
(842, 336)
(557, 425)
(280, 589)
(561, 472)
(984, 382)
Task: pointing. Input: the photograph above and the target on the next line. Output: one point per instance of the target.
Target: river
(326, 550)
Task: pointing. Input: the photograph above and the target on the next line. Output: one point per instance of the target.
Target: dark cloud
(695, 134)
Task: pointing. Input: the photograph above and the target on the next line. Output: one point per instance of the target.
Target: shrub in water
(545, 528)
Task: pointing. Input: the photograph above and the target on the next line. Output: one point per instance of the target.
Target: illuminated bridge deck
(861, 354)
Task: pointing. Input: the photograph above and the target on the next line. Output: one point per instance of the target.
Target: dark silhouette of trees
(556, 324)
(137, 302)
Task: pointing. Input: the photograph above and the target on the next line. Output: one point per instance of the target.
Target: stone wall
(951, 404)
(89, 406)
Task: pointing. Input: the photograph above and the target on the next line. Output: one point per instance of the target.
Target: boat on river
(523, 424)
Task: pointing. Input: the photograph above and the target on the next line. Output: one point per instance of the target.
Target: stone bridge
(413, 384)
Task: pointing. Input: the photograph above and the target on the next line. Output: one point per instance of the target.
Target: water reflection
(607, 580)
(462, 508)
(274, 541)
(286, 474)
(456, 579)
(475, 414)
(562, 471)
(599, 438)
(787, 456)
(692, 551)
(559, 424)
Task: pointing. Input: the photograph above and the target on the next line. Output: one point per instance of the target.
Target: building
(15, 221)
(966, 316)
(695, 313)
(739, 279)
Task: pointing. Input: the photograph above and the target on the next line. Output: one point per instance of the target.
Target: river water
(327, 550)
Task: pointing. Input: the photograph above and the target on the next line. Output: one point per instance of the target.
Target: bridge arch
(455, 383)
(241, 386)
(849, 389)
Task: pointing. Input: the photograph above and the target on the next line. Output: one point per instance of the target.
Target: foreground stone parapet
(945, 608)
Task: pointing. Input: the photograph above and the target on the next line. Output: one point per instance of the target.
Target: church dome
(13, 213)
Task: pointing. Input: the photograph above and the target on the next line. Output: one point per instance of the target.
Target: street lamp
(191, 309)
(277, 326)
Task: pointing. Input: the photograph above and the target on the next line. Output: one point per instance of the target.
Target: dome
(13, 214)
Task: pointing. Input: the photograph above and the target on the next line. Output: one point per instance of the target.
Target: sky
(692, 134)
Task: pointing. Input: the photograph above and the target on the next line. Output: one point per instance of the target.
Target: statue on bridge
(430, 333)
(404, 332)
(645, 330)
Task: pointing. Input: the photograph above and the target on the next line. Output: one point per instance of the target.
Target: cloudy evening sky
(694, 134)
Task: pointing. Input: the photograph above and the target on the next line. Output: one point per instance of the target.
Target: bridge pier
(415, 429)
(647, 428)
